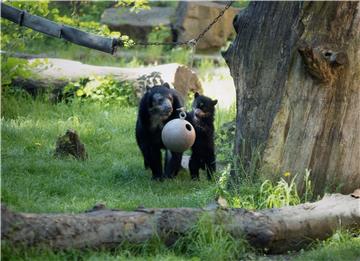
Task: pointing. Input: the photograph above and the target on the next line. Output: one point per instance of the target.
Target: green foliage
(179, 55)
(84, 15)
(103, 89)
(13, 67)
(158, 34)
(204, 69)
(240, 4)
(284, 193)
(279, 195)
(14, 37)
(136, 5)
(244, 187)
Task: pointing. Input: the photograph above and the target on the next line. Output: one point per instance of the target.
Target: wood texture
(277, 230)
(296, 68)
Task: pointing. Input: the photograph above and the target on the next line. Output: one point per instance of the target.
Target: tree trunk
(54, 74)
(277, 230)
(296, 68)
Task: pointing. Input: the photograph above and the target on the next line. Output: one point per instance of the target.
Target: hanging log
(277, 230)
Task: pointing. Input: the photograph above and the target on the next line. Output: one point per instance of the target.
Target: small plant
(279, 195)
(284, 193)
(211, 242)
(308, 194)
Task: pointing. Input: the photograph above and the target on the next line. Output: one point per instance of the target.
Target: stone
(186, 80)
(137, 25)
(192, 18)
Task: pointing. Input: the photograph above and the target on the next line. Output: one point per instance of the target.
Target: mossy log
(275, 230)
(296, 69)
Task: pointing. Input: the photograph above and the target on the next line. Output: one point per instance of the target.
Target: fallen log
(54, 74)
(276, 230)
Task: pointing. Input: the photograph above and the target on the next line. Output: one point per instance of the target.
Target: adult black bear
(158, 106)
(203, 150)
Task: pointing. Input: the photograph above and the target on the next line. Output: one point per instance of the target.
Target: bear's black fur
(158, 106)
(203, 150)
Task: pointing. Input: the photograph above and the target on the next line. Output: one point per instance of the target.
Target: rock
(136, 25)
(70, 144)
(186, 80)
(193, 17)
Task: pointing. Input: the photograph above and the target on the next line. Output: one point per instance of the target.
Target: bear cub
(203, 150)
(159, 105)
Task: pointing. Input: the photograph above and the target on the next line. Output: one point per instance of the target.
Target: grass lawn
(34, 181)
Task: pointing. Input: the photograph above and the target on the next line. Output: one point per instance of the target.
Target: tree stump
(70, 144)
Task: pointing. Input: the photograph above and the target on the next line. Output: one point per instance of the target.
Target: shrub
(103, 89)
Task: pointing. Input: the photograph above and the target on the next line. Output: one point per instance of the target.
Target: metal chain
(191, 42)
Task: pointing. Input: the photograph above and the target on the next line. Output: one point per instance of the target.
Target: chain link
(192, 42)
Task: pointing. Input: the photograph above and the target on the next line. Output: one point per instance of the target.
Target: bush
(103, 89)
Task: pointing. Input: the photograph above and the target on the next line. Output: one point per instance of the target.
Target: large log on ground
(53, 74)
(277, 230)
(296, 69)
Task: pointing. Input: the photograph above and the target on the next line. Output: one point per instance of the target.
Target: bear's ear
(166, 85)
(214, 102)
(196, 94)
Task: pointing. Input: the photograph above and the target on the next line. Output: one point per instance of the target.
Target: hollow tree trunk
(296, 68)
(278, 230)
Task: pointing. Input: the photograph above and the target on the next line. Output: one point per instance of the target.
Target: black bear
(159, 105)
(203, 150)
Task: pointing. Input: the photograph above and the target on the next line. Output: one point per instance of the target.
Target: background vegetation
(34, 181)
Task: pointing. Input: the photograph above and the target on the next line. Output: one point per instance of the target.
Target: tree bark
(296, 69)
(54, 74)
(277, 230)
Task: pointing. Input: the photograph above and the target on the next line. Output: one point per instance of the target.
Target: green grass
(34, 181)
(343, 245)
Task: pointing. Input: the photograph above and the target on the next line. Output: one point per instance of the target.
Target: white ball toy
(178, 135)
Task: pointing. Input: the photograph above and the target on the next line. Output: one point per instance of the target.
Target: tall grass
(211, 242)
(342, 245)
